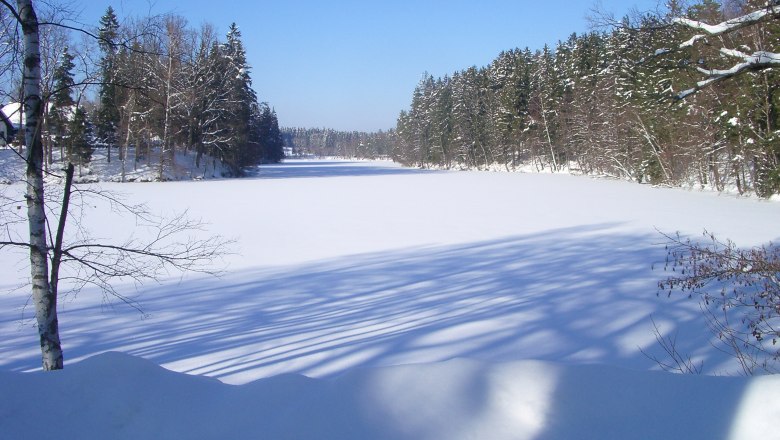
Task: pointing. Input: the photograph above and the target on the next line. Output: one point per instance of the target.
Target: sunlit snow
(418, 304)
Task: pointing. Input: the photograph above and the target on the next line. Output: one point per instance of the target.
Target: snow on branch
(750, 62)
(732, 24)
(756, 61)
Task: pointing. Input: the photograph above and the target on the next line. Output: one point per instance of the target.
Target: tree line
(640, 100)
(324, 142)
(146, 89)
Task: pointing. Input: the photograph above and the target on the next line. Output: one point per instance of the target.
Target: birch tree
(545, 103)
(43, 296)
(91, 262)
(169, 78)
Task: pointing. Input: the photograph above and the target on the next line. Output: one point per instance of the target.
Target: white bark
(547, 134)
(44, 298)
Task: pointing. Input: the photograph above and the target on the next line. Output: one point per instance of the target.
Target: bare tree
(676, 362)
(10, 64)
(739, 291)
(44, 298)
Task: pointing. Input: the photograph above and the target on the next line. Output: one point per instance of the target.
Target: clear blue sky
(353, 64)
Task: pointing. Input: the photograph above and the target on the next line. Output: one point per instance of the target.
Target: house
(7, 129)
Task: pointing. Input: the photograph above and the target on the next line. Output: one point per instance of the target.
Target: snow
(14, 113)
(756, 61)
(366, 300)
(728, 25)
(100, 170)
(117, 396)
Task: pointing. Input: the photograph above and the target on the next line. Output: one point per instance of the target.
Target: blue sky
(352, 65)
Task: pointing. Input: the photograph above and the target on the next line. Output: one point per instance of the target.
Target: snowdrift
(118, 396)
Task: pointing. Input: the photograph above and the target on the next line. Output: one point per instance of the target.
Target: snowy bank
(118, 396)
(101, 169)
(358, 291)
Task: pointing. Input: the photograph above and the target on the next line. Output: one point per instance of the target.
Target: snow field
(371, 279)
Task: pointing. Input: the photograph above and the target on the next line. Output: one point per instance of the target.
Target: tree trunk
(123, 148)
(56, 258)
(548, 136)
(169, 71)
(44, 299)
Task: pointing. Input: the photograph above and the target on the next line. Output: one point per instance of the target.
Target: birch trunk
(124, 148)
(166, 121)
(549, 137)
(44, 299)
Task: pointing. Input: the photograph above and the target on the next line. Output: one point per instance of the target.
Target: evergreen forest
(641, 99)
(145, 89)
(325, 142)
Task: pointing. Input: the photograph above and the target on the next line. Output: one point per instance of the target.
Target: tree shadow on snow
(582, 295)
(579, 295)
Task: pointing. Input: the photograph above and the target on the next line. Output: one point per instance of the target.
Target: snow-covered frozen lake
(348, 264)
(344, 265)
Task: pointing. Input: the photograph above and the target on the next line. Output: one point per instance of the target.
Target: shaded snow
(370, 279)
(121, 397)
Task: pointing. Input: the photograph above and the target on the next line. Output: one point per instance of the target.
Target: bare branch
(12, 10)
(679, 363)
(739, 293)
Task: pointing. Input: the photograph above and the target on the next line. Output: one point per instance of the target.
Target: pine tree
(265, 136)
(602, 101)
(242, 97)
(78, 148)
(227, 103)
(108, 116)
(441, 119)
(198, 93)
(419, 130)
(61, 99)
(510, 83)
(465, 114)
(215, 104)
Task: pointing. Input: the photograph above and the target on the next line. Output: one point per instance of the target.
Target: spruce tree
(61, 99)
(242, 97)
(441, 119)
(108, 116)
(265, 134)
(78, 148)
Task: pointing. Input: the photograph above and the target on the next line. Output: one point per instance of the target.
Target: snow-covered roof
(7, 129)
(14, 112)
